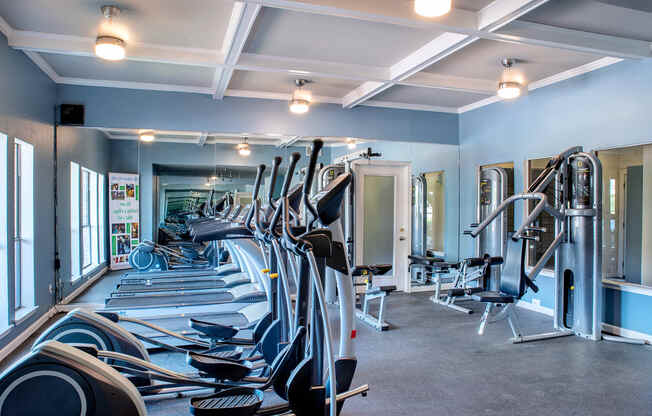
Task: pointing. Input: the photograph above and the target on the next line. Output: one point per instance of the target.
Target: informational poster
(123, 217)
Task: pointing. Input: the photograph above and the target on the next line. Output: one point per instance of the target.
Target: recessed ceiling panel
(284, 83)
(428, 96)
(623, 18)
(481, 59)
(187, 23)
(326, 38)
(131, 71)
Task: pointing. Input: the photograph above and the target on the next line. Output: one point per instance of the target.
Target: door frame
(402, 171)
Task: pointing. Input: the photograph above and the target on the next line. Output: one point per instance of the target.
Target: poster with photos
(123, 217)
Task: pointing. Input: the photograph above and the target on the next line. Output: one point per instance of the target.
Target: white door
(382, 218)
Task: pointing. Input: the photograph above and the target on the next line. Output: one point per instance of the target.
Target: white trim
(406, 106)
(134, 85)
(553, 79)
(536, 308)
(84, 286)
(479, 104)
(43, 65)
(136, 51)
(528, 33)
(626, 333)
(5, 28)
(627, 287)
(202, 139)
(571, 73)
(17, 341)
(241, 22)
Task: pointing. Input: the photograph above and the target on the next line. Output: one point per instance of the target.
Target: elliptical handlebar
(294, 159)
(317, 145)
(272, 181)
(254, 196)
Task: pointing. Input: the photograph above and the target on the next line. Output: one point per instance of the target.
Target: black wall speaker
(72, 115)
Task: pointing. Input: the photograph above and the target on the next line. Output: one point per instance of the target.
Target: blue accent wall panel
(628, 310)
(125, 108)
(27, 100)
(609, 107)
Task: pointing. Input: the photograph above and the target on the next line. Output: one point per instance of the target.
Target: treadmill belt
(173, 285)
(171, 299)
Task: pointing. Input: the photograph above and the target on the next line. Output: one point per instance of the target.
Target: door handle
(401, 238)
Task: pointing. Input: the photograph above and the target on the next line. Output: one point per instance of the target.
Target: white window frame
(92, 226)
(24, 282)
(4, 235)
(75, 232)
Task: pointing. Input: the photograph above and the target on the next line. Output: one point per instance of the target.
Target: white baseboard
(536, 308)
(626, 333)
(28, 332)
(84, 286)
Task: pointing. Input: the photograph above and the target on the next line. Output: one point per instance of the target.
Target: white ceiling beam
(133, 85)
(494, 16)
(201, 140)
(527, 33)
(335, 100)
(451, 83)
(288, 141)
(242, 20)
(83, 46)
(398, 13)
(553, 79)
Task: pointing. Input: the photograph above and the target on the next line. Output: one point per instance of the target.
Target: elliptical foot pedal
(231, 402)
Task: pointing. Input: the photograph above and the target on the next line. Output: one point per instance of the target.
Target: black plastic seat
(213, 330)
(493, 297)
(459, 291)
(218, 368)
(374, 269)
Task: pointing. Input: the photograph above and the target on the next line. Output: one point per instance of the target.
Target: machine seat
(493, 297)
(213, 330)
(373, 269)
(425, 260)
(218, 368)
(463, 292)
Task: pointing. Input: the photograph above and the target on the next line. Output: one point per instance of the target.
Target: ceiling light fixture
(108, 47)
(243, 148)
(508, 89)
(147, 136)
(301, 98)
(351, 143)
(432, 8)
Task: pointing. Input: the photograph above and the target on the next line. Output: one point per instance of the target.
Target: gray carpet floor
(432, 362)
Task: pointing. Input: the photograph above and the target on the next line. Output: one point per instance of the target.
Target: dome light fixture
(111, 48)
(432, 8)
(351, 143)
(301, 98)
(147, 136)
(508, 89)
(243, 148)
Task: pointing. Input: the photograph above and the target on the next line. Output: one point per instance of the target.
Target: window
(626, 223)
(87, 218)
(536, 249)
(23, 225)
(75, 236)
(4, 237)
(435, 210)
(101, 217)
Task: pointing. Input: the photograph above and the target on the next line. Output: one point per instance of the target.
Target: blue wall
(427, 157)
(606, 108)
(90, 149)
(124, 108)
(27, 100)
